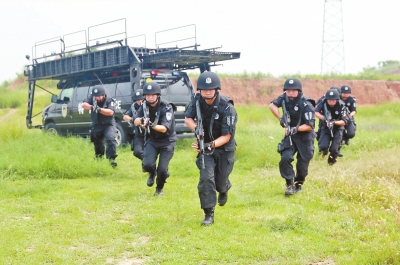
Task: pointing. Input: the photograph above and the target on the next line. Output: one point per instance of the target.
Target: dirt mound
(262, 91)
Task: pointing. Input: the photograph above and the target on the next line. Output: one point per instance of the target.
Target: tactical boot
(297, 188)
(222, 198)
(158, 192)
(113, 163)
(150, 180)
(290, 187)
(340, 154)
(209, 217)
(331, 160)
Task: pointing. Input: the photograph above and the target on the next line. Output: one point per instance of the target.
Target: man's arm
(275, 111)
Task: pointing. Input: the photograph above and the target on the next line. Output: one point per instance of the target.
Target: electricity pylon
(332, 38)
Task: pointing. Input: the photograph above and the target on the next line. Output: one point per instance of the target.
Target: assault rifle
(199, 132)
(328, 118)
(286, 120)
(146, 119)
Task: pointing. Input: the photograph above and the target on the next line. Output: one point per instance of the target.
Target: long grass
(61, 206)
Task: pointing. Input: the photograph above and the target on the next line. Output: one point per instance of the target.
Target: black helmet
(98, 90)
(208, 80)
(151, 88)
(332, 94)
(337, 88)
(345, 89)
(293, 83)
(138, 95)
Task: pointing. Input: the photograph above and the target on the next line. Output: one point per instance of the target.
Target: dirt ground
(262, 91)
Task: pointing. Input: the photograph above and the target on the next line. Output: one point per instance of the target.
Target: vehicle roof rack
(112, 55)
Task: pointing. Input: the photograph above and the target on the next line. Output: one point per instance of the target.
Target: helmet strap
(209, 99)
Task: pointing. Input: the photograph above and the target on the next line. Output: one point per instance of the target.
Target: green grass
(60, 206)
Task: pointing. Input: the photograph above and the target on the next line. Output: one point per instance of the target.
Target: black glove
(293, 130)
(282, 122)
(207, 146)
(96, 109)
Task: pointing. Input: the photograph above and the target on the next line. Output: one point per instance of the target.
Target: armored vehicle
(121, 69)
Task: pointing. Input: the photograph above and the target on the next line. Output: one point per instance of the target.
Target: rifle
(328, 118)
(286, 120)
(200, 132)
(146, 118)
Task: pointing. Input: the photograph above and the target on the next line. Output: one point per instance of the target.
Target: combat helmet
(138, 95)
(293, 83)
(151, 88)
(332, 94)
(208, 80)
(98, 90)
(345, 89)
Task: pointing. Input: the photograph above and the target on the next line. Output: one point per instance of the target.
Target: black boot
(113, 163)
(150, 180)
(290, 187)
(209, 216)
(331, 160)
(222, 198)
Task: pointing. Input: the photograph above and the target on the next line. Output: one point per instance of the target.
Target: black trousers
(350, 130)
(215, 175)
(107, 132)
(327, 142)
(137, 146)
(164, 150)
(303, 146)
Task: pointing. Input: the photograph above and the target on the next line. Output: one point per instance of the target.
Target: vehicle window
(66, 92)
(82, 93)
(177, 85)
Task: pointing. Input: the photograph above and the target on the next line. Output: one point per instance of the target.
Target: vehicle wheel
(50, 128)
(120, 135)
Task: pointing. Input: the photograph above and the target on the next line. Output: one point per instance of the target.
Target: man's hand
(282, 122)
(96, 109)
(293, 130)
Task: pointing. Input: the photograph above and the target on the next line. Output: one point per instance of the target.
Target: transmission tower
(332, 38)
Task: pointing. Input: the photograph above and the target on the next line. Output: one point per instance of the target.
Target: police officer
(137, 144)
(350, 101)
(298, 120)
(219, 124)
(102, 110)
(156, 116)
(332, 113)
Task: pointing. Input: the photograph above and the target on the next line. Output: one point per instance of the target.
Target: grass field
(60, 206)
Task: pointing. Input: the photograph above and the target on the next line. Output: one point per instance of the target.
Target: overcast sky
(277, 37)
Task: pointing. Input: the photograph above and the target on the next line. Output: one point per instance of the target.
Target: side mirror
(53, 98)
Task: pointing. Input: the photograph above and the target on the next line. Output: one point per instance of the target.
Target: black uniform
(351, 127)
(157, 143)
(326, 141)
(137, 144)
(218, 119)
(103, 127)
(301, 112)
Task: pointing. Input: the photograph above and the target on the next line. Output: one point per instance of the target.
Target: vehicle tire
(50, 128)
(120, 135)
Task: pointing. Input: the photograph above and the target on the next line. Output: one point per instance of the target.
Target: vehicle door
(61, 114)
